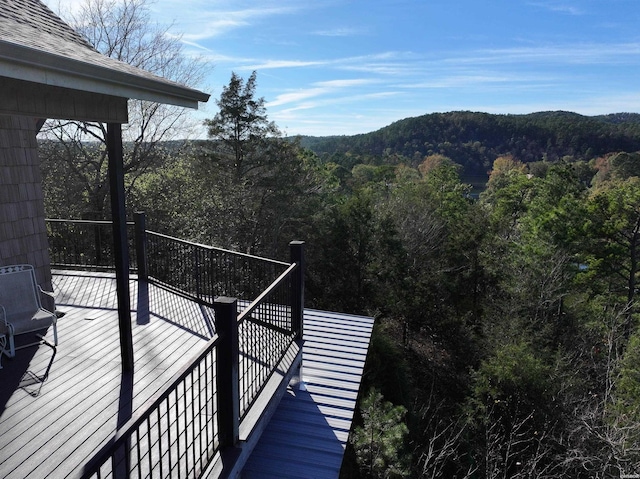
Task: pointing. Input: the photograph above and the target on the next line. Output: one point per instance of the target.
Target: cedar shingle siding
(23, 237)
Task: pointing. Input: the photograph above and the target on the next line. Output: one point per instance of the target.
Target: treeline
(506, 341)
(474, 140)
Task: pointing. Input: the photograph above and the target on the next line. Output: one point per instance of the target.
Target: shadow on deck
(58, 407)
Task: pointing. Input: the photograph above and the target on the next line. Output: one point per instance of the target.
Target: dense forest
(474, 140)
(506, 342)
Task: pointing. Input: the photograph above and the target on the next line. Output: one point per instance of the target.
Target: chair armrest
(48, 301)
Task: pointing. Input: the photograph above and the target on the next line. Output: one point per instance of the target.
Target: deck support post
(227, 365)
(297, 284)
(297, 301)
(120, 246)
(140, 221)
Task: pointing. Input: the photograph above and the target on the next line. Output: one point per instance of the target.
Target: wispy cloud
(346, 83)
(329, 90)
(585, 106)
(327, 119)
(475, 79)
(381, 64)
(375, 63)
(559, 7)
(604, 104)
(456, 82)
(205, 19)
(596, 54)
(294, 97)
(272, 64)
(338, 32)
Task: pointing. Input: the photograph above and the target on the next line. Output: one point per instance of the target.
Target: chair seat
(27, 322)
(21, 307)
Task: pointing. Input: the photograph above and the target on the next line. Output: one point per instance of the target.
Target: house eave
(29, 64)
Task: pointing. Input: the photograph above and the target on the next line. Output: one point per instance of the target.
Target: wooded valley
(506, 340)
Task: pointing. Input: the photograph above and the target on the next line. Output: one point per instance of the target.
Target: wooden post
(297, 306)
(120, 246)
(227, 365)
(140, 220)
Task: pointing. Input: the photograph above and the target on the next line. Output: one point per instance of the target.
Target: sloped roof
(37, 46)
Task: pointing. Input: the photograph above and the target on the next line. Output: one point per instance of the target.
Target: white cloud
(475, 79)
(338, 32)
(345, 83)
(64, 7)
(560, 7)
(205, 19)
(297, 96)
(323, 88)
(596, 54)
(272, 64)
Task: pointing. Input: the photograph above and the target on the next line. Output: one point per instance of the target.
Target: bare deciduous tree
(123, 30)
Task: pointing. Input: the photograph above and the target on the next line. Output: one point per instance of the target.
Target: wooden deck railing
(258, 306)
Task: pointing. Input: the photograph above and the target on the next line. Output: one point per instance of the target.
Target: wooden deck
(57, 409)
(308, 433)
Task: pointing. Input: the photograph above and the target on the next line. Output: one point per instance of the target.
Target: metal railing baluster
(271, 295)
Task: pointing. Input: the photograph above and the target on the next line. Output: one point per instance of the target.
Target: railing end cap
(225, 300)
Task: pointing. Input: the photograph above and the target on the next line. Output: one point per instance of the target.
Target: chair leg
(12, 347)
(3, 343)
(11, 350)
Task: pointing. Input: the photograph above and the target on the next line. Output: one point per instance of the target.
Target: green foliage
(623, 412)
(240, 130)
(379, 442)
(514, 375)
(612, 233)
(177, 198)
(342, 258)
(387, 368)
(261, 187)
(627, 392)
(475, 140)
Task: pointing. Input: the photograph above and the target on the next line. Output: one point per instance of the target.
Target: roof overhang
(37, 66)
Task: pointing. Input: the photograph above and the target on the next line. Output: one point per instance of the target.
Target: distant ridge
(475, 140)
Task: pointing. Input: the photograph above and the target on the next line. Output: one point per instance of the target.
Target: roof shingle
(31, 18)
(30, 24)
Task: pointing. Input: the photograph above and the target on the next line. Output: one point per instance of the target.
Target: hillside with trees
(474, 140)
(506, 342)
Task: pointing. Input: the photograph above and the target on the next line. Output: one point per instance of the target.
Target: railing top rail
(214, 248)
(256, 302)
(86, 222)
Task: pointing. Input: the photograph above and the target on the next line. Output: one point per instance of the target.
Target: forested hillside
(474, 140)
(506, 342)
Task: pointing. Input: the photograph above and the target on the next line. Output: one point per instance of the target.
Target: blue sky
(333, 67)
